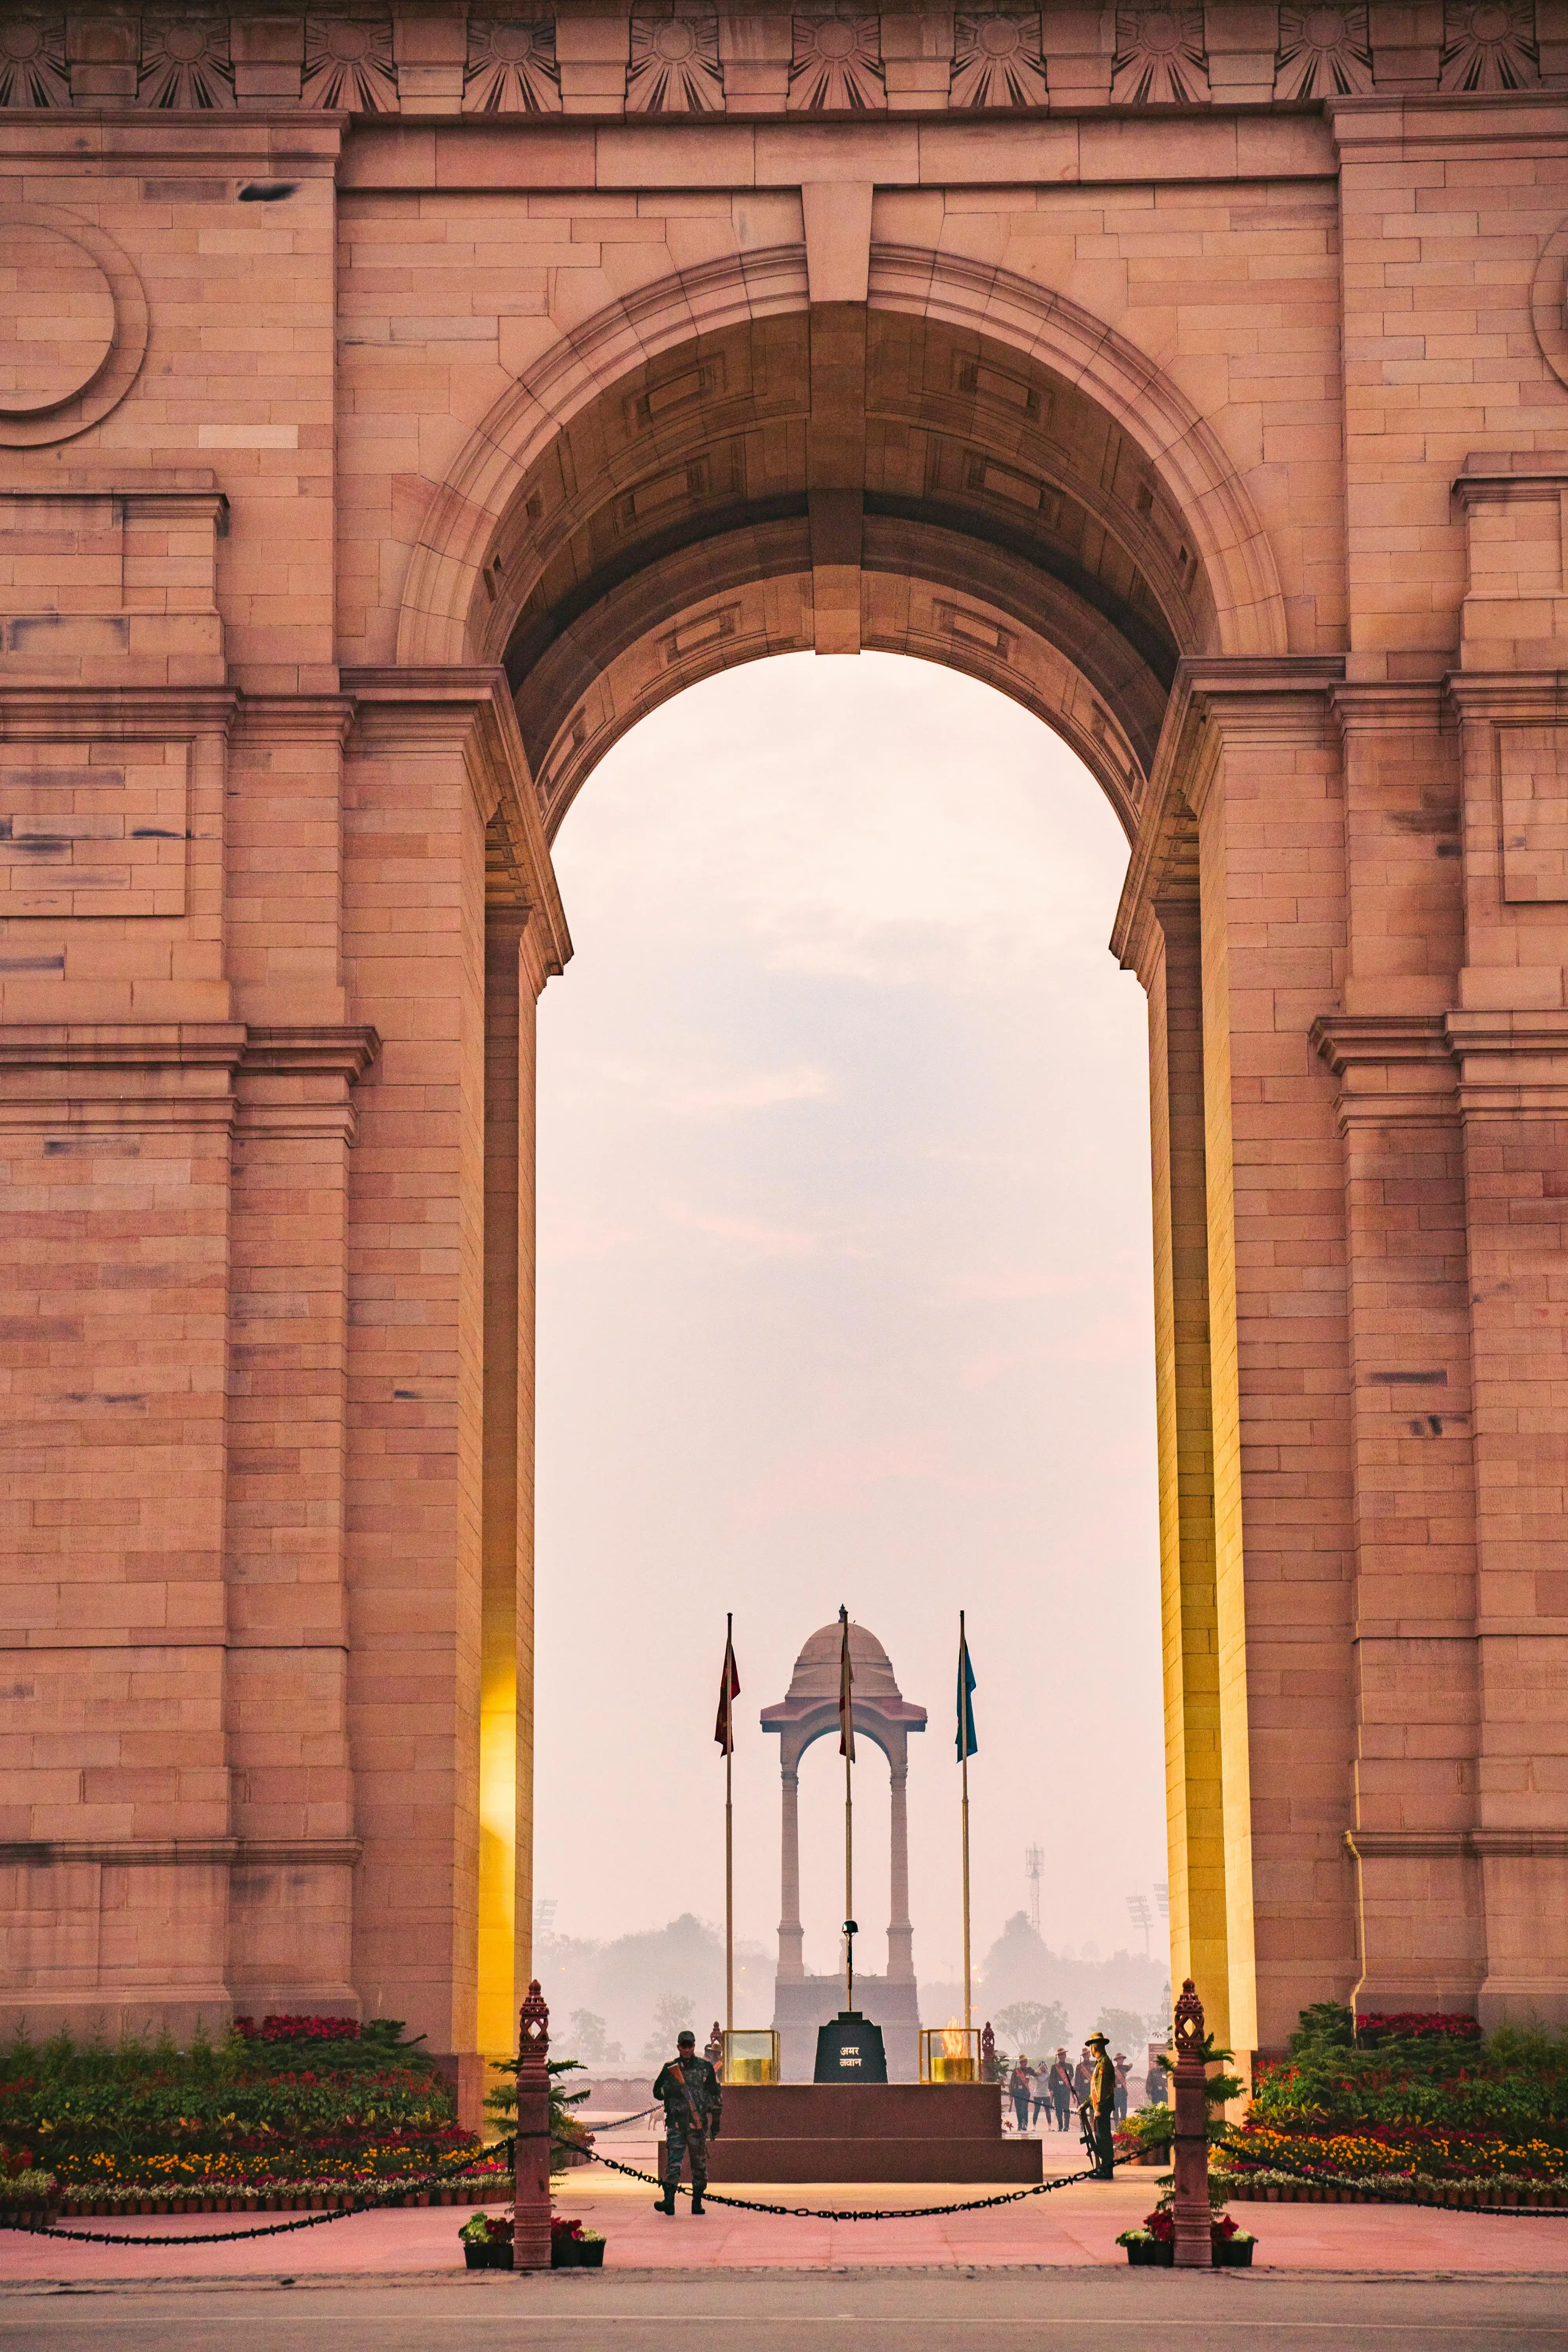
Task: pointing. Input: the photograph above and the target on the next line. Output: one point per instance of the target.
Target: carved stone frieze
(1489, 46)
(33, 68)
(349, 63)
(674, 65)
(1161, 59)
(837, 64)
(511, 67)
(1323, 52)
(185, 62)
(997, 61)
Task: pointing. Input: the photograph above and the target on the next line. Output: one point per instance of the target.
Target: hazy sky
(845, 1294)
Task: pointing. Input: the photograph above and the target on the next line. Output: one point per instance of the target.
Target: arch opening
(728, 1357)
(836, 479)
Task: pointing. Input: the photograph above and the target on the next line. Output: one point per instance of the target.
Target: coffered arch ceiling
(978, 509)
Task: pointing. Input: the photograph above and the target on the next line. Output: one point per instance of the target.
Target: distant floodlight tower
(1162, 1897)
(1138, 1911)
(1034, 1870)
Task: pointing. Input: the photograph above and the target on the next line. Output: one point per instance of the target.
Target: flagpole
(846, 1750)
(848, 1882)
(728, 1854)
(963, 1742)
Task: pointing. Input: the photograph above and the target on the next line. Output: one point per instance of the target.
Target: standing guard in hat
(1098, 2110)
(688, 2086)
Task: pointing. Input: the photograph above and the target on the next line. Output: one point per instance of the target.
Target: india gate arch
(413, 447)
(1035, 508)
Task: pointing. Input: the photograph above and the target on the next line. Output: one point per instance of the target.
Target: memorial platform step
(867, 2131)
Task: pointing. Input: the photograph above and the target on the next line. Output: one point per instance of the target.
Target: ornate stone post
(530, 2211)
(1190, 2203)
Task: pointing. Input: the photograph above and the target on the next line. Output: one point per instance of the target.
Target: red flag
(846, 1691)
(729, 1691)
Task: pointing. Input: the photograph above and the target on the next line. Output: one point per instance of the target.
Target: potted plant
(1145, 2251)
(565, 2244)
(1232, 2247)
(589, 2246)
(1153, 2245)
(487, 2241)
(29, 2196)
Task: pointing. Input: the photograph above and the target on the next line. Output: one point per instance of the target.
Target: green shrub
(241, 2108)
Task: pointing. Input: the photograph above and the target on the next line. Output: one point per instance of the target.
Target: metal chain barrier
(893, 2213)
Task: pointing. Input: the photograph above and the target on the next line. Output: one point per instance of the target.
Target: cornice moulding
(1521, 695)
(1374, 708)
(1519, 1844)
(1349, 1041)
(131, 714)
(166, 1853)
(293, 719)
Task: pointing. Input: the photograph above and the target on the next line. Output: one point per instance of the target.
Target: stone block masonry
(395, 404)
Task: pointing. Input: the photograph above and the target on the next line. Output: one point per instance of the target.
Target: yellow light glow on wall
(498, 1860)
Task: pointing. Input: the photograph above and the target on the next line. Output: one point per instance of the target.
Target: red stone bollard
(1192, 2225)
(530, 2212)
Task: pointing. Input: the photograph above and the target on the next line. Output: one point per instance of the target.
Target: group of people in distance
(1057, 2090)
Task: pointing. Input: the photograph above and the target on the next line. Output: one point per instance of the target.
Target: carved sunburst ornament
(511, 67)
(348, 63)
(1160, 59)
(1323, 53)
(837, 64)
(997, 61)
(184, 62)
(1491, 46)
(674, 65)
(33, 69)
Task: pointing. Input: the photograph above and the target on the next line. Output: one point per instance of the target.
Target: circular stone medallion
(511, 43)
(57, 319)
(835, 39)
(1000, 36)
(674, 41)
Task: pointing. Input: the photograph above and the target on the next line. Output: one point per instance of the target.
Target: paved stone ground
(1073, 2227)
(1079, 2310)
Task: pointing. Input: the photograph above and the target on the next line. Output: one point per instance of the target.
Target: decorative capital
(533, 2036)
(1189, 2028)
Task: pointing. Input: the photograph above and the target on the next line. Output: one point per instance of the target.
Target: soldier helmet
(685, 2037)
(1090, 2039)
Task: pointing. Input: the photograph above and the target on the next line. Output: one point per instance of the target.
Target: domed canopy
(815, 1672)
(811, 1706)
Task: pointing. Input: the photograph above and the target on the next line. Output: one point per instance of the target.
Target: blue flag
(965, 1741)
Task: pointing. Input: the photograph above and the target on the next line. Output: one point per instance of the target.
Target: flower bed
(1421, 2103)
(319, 2105)
(282, 2195)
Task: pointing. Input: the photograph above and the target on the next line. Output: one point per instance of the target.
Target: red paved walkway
(1072, 2226)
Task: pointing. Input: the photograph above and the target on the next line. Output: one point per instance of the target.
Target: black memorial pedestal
(849, 2049)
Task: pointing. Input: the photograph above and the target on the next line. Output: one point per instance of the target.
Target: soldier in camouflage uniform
(692, 2099)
